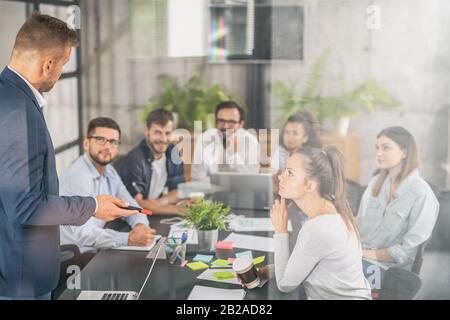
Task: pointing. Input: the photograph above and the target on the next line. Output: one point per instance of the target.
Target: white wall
(12, 17)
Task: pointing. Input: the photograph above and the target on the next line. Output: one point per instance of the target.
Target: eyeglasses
(102, 141)
(223, 121)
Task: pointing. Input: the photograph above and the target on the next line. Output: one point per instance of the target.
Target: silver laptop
(121, 295)
(244, 191)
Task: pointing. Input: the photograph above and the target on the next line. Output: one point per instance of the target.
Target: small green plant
(206, 215)
(366, 96)
(192, 101)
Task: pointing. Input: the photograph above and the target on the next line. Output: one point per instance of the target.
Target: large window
(63, 109)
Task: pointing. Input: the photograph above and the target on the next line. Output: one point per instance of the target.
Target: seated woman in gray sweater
(327, 256)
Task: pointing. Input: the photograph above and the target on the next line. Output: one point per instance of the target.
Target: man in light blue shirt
(91, 175)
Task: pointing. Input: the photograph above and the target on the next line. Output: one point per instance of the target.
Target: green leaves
(316, 75)
(192, 101)
(207, 215)
(365, 97)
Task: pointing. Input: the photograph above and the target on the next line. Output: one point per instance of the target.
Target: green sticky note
(259, 260)
(223, 275)
(221, 263)
(197, 265)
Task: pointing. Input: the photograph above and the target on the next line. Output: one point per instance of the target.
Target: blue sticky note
(203, 258)
(245, 253)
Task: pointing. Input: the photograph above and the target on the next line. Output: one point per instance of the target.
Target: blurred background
(359, 65)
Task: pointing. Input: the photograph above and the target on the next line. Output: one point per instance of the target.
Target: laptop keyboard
(115, 296)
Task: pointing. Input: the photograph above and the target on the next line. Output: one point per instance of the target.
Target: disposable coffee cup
(244, 268)
(197, 196)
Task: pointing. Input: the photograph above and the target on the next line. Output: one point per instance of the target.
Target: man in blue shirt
(91, 175)
(154, 165)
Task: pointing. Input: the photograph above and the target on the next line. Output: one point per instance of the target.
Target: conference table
(127, 270)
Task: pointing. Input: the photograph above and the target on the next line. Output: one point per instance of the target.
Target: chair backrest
(400, 284)
(418, 261)
(354, 195)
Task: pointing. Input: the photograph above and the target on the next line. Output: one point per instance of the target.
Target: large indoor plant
(208, 218)
(366, 96)
(191, 101)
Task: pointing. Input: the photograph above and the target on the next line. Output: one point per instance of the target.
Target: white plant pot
(207, 240)
(343, 125)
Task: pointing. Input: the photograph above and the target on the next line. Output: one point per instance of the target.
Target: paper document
(239, 224)
(177, 230)
(209, 275)
(251, 242)
(207, 293)
(136, 248)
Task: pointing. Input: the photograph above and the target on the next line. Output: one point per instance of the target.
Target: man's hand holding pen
(110, 208)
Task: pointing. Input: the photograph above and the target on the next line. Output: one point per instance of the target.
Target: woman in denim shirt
(398, 209)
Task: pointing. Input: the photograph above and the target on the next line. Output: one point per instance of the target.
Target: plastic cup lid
(242, 263)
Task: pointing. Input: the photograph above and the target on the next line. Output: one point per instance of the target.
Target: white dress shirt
(39, 97)
(159, 178)
(209, 154)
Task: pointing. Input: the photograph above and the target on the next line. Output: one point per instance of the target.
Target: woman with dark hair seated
(301, 129)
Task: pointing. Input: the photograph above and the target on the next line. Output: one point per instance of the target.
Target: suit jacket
(30, 208)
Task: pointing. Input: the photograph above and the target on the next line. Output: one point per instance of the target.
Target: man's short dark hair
(231, 105)
(42, 31)
(102, 122)
(159, 116)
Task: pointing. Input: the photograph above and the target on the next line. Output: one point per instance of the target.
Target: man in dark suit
(30, 208)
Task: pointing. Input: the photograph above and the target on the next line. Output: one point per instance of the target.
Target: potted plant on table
(207, 217)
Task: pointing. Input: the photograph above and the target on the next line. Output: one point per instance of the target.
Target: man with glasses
(226, 148)
(92, 174)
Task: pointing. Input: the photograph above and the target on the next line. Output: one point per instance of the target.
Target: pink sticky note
(224, 245)
(231, 260)
(185, 262)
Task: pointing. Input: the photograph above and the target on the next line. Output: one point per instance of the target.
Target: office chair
(354, 195)
(418, 261)
(399, 284)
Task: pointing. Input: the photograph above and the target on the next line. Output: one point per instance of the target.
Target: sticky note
(184, 263)
(259, 260)
(197, 266)
(221, 263)
(231, 260)
(245, 253)
(224, 245)
(223, 275)
(203, 258)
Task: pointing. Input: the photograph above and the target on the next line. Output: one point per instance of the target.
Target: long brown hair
(309, 123)
(406, 142)
(326, 166)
